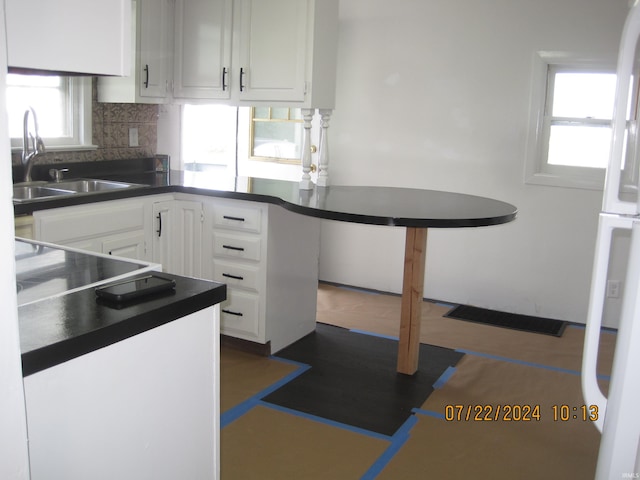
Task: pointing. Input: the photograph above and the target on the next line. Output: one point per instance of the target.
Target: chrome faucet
(28, 155)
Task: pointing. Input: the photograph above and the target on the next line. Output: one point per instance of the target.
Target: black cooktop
(43, 271)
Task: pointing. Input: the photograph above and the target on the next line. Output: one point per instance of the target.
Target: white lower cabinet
(116, 228)
(146, 407)
(177, 236)
(268, 257)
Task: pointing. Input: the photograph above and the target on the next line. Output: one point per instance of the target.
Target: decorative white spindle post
(323, 167)
(305, 182)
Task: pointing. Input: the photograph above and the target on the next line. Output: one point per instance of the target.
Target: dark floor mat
(514, 321)
(353, 379)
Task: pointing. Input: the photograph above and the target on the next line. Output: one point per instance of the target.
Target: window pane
(261, 112)
(584, 95)
(48, 96)
(280, 113)
(579, 146)
(209, 134)
(277, 139)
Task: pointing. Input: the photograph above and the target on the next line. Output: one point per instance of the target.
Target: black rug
(353, 379)
(514, 321)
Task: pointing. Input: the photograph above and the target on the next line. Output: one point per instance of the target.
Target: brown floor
(502, 367)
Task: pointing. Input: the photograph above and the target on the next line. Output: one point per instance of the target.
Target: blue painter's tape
(612, 331)
(325, 421)
(239, 410)
(397, 441)
(373, 334)
(528, 364)
(429, 413)
(446, 375)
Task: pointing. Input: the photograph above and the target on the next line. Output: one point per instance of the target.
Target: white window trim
(82, 138)
(537, 171)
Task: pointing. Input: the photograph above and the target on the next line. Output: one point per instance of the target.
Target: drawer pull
(229, 217)
(231, 312)
(235, 277)
(231, 247)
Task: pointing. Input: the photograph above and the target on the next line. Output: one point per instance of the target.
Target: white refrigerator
(619, 410)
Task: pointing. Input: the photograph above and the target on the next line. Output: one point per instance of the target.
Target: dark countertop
(44, 271)
(61, 319)
(358, 204)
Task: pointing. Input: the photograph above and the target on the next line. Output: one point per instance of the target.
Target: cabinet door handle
(231, 312)
(146, 81)
(159, 231)
(235, 277)
(241, 79)
(224, 79)
(231, 247)
(229, 217)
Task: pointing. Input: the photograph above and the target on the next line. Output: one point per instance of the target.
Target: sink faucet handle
(57, 173)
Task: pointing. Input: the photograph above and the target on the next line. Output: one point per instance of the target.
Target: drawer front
(244, 218)
(79, 222)
(239, 314)
(236, 275)
(236, 246)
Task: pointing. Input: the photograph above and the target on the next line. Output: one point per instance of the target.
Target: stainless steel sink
(31, 192)
(87, 185)
(45, 190)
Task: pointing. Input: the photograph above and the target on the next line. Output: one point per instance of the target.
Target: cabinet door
(127, 245)
(155, 38)
(69, 35)
(202, 48)
(177, 241)
(272, 51)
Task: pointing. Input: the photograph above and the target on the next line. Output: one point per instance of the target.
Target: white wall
(435, 94)
(14, 462)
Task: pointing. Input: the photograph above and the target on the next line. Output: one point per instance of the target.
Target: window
(276, 134)
(260, 142)
(62, 106)
(570, 137)
(209, 136)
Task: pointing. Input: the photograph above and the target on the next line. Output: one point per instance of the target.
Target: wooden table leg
(415, 251)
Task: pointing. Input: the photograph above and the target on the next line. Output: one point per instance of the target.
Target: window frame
(537, 169)
(79, 105)
(252, 120)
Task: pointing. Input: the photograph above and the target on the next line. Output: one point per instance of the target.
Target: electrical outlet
(613, 288)
(133, 137)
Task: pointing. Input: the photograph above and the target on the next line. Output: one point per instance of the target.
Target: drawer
(244, 247)
(242, 217)
(236, 275)
(239, 314)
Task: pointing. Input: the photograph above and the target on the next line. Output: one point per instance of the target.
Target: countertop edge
(162, 311)
(27, 208)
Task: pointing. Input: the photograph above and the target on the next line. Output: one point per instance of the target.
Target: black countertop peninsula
(61, 318)
(359, 204)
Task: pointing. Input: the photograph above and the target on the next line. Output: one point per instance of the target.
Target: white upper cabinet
(236, 52)
(202, 51)
(152, 40)
(284, 53)
(74, 36)
(272, 50)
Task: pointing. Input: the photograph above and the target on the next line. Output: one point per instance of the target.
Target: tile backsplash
(111, 124)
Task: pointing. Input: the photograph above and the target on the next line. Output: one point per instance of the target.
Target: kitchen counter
(414, 209)
(60, 318)
(392, 206)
